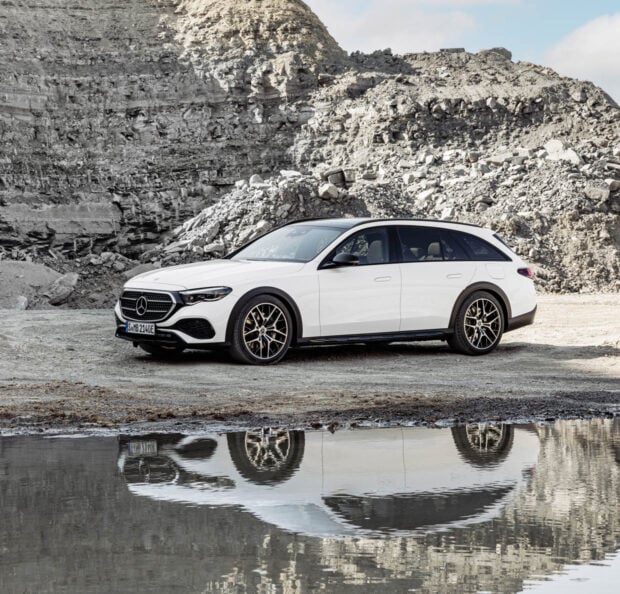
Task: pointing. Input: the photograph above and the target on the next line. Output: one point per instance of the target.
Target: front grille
(146, 306)
(196, 328)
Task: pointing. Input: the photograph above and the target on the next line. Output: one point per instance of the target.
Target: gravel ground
(64, 370)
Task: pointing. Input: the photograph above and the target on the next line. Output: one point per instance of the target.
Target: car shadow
(332, 353)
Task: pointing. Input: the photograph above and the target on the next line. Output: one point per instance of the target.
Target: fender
(282, 295)
(489, 288)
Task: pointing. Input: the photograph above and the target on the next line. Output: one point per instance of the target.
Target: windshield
(294, 243)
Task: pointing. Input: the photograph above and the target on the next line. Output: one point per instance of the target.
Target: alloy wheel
(482, 324)
(486, 438)
(267, 449)
(265, 331)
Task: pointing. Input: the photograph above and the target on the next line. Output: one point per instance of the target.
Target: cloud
(591, 52)
(403, 25)
(465, 2)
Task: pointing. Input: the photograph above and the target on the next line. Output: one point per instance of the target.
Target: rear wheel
(262, 332)
(483, 444)
(479, 325)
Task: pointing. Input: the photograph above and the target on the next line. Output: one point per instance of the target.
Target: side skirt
(382, 337)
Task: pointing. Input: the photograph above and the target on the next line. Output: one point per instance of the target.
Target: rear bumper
(520, 321)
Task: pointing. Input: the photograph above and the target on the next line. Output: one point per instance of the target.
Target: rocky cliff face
(119, 122)
(138, 111)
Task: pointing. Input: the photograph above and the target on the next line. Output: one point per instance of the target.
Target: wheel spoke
(276, 331)
(265, 331)
(482, 324)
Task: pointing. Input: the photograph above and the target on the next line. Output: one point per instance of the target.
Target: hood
(211, 274)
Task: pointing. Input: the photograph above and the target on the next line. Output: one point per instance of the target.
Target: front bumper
(162, 338)
(196, 326)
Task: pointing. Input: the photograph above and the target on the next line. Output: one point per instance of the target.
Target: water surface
(478, 508)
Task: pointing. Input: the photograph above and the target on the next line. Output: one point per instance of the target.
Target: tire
(262, 332)
(483, 445)
(267, 456)
(157, 350)
(479, 325)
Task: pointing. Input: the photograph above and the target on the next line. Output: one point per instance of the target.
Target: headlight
(201, 295)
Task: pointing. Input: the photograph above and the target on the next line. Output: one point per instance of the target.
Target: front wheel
(479, 325)
(262, 332)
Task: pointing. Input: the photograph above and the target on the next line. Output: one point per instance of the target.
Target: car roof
(354, 222)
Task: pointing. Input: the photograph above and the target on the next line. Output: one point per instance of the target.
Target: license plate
(140, 328)
(143, 448)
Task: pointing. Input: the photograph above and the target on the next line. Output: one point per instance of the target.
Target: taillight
(527, 272)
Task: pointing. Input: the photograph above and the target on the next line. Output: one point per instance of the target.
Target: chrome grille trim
(160, 305)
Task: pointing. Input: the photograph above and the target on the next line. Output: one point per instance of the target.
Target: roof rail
(365, 220)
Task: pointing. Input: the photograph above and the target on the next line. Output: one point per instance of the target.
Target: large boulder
(62, 288)
(21, 283)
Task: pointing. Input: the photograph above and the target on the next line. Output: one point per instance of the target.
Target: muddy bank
(64, 369)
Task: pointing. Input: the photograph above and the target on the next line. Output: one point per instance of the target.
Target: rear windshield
(294, 243)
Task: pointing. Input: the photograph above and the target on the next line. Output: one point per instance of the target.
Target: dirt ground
(65, 370)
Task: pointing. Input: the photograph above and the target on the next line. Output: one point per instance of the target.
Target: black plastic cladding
(284, 297)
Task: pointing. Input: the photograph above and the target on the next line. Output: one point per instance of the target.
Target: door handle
(383, 279)
(457, 275)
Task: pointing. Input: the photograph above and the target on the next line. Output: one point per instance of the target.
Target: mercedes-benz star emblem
(142, 306)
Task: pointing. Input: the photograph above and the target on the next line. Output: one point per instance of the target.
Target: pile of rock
(254, 207)
(558, 206)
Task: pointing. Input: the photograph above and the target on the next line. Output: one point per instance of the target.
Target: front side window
(371, 246)
(293, 243)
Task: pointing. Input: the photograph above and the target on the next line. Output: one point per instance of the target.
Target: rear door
(362, 299)
(435, 269)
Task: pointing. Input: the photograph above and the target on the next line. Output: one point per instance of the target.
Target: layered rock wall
(147, 105)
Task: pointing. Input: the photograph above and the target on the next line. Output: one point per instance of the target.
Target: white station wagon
(335, 281)
(352, 483)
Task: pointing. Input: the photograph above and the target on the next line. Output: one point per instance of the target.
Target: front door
(362, 299)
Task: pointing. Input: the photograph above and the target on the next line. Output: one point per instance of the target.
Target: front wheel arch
(286, 299)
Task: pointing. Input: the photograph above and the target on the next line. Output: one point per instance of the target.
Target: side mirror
(343, 259)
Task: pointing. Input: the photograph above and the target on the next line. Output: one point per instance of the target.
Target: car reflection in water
(409, 480)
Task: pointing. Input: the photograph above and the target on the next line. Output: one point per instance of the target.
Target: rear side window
(419, 244)
(479, 249)
(452, 249)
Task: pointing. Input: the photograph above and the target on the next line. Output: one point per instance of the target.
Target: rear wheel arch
(286, 299)
(489, 288)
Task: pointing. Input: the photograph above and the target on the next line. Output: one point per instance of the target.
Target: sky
(578, 38)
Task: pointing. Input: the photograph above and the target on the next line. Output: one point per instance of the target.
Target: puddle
(479, 508)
